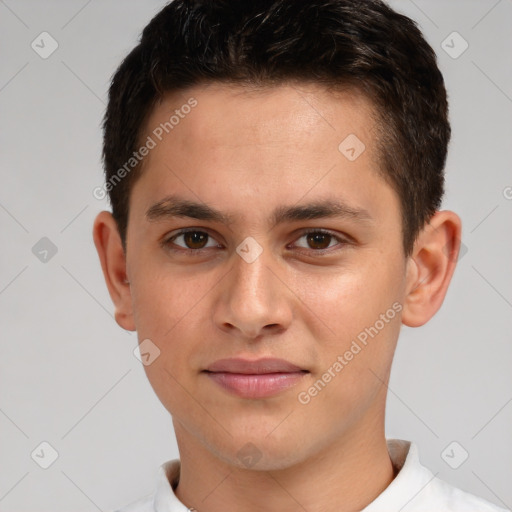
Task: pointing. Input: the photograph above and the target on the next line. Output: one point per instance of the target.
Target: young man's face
(283, 294)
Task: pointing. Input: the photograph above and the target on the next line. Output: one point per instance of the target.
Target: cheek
(163, 299)
(346, 301)
(167, 312)
(357, 358)
(360, 311)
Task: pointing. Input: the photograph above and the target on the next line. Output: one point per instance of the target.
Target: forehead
(255, 115)
(263, 145)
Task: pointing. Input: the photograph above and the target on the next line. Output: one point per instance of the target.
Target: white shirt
(414, 489)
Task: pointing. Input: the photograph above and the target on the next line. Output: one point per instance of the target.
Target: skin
(246, 152)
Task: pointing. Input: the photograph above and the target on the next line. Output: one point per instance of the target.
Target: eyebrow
(175, 206)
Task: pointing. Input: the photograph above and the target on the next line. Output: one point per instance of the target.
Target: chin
(259, 453)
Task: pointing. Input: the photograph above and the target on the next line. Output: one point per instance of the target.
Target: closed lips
(255, 367)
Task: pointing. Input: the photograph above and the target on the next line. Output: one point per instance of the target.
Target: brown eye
(318, 240)
(195, 239)
(192, 240)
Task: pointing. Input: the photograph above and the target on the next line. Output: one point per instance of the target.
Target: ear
(113, 263)
(430, 267)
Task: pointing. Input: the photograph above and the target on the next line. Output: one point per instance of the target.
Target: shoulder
(144, 504)
(163, 497)
(446, 497)
(416, 489)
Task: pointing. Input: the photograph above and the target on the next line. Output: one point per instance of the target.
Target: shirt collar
(165, 499)
(412, 477)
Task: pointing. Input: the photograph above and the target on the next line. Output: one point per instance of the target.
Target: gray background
(68, 375)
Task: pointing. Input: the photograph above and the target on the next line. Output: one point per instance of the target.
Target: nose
(254, 300)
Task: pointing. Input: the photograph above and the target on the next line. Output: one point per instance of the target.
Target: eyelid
(342, 240)
(168, 238)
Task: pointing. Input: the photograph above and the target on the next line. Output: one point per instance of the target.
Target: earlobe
(113, 263)
(431, 267)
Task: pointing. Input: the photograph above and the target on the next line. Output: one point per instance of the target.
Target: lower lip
(256, 386)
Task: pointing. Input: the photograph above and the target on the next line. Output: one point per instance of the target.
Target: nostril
(273, 327)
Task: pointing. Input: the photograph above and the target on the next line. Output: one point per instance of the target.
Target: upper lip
(257, 366)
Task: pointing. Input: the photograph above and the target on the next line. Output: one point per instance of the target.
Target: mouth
(255, 379)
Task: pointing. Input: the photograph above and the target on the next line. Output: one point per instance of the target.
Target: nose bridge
(254, 298)
(251, 278)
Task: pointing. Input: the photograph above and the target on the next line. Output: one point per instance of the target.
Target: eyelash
(197, 252)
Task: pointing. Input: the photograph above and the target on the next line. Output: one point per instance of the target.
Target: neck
(346, 476)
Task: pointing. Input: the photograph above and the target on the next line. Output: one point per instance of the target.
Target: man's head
(300, 146)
